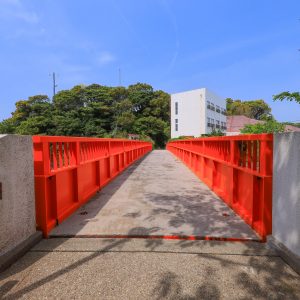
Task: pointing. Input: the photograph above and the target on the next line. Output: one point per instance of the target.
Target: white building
(197, 112)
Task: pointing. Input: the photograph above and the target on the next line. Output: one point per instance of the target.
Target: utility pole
(54, 84)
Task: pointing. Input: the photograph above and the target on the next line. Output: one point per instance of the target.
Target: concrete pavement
(156, 196)
(88, 268)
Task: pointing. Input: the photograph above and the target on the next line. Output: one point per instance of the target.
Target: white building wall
(216, 116)
(193, 112)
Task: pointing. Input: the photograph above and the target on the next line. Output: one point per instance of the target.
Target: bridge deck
(156, 196)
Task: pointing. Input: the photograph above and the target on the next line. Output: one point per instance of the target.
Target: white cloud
(105, 57)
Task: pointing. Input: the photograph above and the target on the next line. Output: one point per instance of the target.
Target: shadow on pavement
(247, 273)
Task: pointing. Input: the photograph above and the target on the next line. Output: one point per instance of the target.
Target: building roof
(291, 128)
(236, 123)
(190, 91)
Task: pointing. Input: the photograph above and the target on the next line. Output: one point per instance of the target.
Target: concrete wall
(192, 112)
(17, 206)
(286, 190)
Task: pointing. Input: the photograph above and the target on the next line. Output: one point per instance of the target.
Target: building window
(208, 122)
(218, 124)
(176, 124)
(212, 121)
(223, 111)
(176, 108)
(216, 108)
(223, 125)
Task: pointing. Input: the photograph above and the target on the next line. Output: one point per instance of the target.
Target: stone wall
(17, 206)
(286, 191)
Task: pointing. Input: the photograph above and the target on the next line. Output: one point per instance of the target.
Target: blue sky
(243, 49)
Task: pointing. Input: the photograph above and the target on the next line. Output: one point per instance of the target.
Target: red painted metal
(70, 170)
(238, 169)
(163, 237)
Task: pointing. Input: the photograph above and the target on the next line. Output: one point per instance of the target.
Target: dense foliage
(292, 123)
(103, 111)
(213, 133)
(255, 109)
(270, 126)
(287, 96)
(95, 110)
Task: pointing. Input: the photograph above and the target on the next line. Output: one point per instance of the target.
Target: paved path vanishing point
(158, 195)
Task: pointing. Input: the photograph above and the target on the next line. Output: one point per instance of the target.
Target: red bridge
(157, 196)
(121, 221)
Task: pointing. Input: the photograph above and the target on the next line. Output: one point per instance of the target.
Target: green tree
(270, 126)
(125, 121)
(291, 123)
(213, 133)
(140, 95)
(95, 110)
(254, 109)
(7, 126)
(287, 96)
(154, 128)
(67, 100)
(34, 125)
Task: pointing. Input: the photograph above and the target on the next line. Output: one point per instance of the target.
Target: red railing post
(266, 150)
(68, 171)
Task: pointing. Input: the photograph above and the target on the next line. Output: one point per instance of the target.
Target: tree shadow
(258, 274)
(26, 264)
(248, 277)
(204, 214)
(264, 276)
(170, 287)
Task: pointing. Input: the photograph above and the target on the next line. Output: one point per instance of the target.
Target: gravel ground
(81, 268)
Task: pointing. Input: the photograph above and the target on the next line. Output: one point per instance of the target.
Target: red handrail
(239, 169)
(70, 170)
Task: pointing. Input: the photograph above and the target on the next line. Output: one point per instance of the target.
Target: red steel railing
(238, 169)
(69, 170)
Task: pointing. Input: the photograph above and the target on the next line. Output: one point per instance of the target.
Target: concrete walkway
(88, 268)
(156, 196)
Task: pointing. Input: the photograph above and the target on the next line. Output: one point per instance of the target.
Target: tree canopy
(287, 96)
(254, 109)
(270, 126)
(96, 111)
